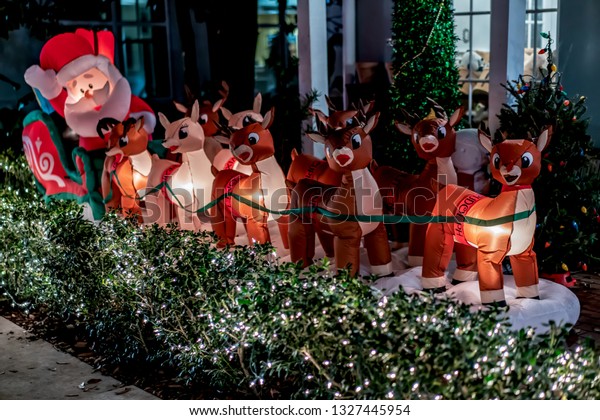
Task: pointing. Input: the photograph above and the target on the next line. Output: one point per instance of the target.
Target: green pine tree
(424, 66)
(567, 197)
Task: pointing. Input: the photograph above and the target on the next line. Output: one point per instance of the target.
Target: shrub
(245, 323)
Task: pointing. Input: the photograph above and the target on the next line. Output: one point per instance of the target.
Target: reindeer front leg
(301, 231)
(347, 245)
(525, 270)
(466, 264)
(283, 222)
(440, 244)
(491, 281)
(257, 229)
(378, 250)
(186, 219)
(416, 244)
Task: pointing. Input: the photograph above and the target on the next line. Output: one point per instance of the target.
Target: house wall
(578, 57)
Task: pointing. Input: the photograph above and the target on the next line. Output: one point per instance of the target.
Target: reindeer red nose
(244, 155)
(342, 159)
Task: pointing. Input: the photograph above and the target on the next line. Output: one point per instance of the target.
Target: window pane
(481, 46)
(545, 22)
(142, 10)
(462, 6)
(482, 6)
(463, 33)
(547, 4)
(145, 56)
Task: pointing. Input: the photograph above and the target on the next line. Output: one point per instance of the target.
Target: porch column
(507, 47)
(312, 60)
(349, 45)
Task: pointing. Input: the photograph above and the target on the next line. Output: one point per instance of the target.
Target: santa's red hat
(72, 54)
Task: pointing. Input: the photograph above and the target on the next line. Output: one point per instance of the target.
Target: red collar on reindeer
(71, 54)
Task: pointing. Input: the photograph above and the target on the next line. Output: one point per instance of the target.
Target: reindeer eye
(91, 86)
(526, 160)
(183, 132)
(496, 161)
(203, 119)
(123, 141)
(356, 141)
(253, 138)
(441, 132)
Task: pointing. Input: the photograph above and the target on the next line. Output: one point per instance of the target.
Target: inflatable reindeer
(506, 223)
(251, 143)
(434, 139)
(220, 157)
(348, 151)
(127, 164)
(177, 190)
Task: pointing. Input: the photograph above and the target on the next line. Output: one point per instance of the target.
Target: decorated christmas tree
(423, 65)
(567, 195)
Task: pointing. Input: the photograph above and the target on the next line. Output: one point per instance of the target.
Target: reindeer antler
(411, 119)
(224, 92)
(330, 104)
(106, 124)
(438, 111)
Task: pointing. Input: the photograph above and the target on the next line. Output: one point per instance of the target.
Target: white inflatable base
(557, 303)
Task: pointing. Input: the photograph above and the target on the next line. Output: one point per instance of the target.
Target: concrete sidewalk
(32, 369)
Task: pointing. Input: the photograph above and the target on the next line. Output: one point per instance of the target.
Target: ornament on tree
(78, 77)
(515, 164)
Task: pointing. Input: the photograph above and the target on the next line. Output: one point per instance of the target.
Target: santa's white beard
(83, 118)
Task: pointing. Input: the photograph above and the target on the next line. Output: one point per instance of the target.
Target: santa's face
(93, 85)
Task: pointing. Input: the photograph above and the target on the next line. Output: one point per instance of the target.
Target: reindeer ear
(457, 116)
(180, 107)
(222, 139)
(268, 119)
(226, 113)
(257, 103)
(139, 124)
(403, 128)
(316, 137)
(217, 105)
(195, 116)
(485, 141)
(544, 139)
(372, 123)
(164, 121)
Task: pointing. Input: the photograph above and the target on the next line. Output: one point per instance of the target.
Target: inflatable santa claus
(78, 77)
